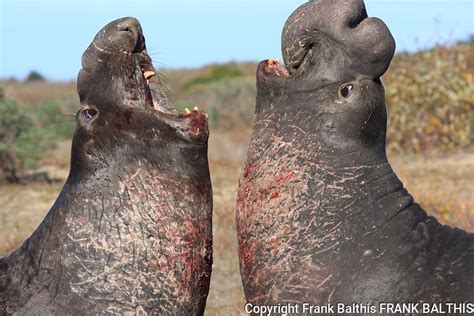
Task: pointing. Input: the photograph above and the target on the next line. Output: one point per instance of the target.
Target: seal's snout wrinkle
(131, 232)
(321, 216)
(341, 29)
(133, 27)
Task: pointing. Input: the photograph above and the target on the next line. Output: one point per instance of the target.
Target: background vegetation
(430, 98)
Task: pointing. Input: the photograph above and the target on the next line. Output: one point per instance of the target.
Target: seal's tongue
(338, 38)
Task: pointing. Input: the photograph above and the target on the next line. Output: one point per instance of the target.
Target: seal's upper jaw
(333, 40)
(118, 76)
(116, 65)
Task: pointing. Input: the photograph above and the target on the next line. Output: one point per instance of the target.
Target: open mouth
(271, 72)
(275, 68)
(191, 123)
(117, 70)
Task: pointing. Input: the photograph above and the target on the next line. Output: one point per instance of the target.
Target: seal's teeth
(186, 112)
(207, 116)
(148, 74)
(196, 108)
(270, 62)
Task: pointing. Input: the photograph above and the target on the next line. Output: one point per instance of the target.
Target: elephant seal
(130, 232)
(321, 216)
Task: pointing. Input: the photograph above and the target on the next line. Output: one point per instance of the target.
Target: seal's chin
(271, 73)
(275, 68)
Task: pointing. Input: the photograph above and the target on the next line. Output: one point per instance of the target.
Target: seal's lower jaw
(194, 127)
(271, 73)
(191, 125)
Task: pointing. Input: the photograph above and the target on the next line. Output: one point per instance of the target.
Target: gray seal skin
(131, 230)
(321, 216)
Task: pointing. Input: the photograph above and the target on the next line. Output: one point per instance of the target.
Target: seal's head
(334, 56)
(124, 102)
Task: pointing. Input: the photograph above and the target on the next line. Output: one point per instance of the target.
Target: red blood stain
(283, 177)
(198, 122)
(183, 258)
(117, 121)
(248, 250)
(248, 169)
(272, 188)
(188, 272)
(275, 240)
(179, 257)
(247, 246)
(242, 196)
(256, 191)
(276, 245)
(275, 195)
(188, 257)
(128, 115)
(195, 233)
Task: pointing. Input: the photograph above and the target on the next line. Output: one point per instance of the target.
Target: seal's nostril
(355, 21)
(125, 28)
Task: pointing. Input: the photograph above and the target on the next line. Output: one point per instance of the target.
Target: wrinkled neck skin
(321, 216)
(319, 223)
(131, 231)
(294, 145)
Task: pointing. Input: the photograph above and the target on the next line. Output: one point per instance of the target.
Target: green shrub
(213, 112)
(22, 144)
(468, 41)
(50, 117)
(230, 103)
(34, 76)
(217, 73)
(430, 96)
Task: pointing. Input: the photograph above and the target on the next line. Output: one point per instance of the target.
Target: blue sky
(50, 36)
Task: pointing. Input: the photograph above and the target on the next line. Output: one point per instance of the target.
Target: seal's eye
(347, 89)
(89, 113)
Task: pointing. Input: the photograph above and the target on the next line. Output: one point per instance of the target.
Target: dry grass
(226, 156)
(38, 91)
(441, 184)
